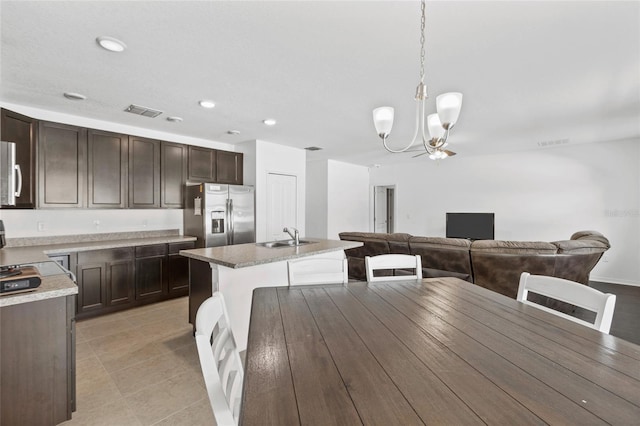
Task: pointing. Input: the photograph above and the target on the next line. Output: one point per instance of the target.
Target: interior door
(383, 208)
(282, 205)
(380, 209)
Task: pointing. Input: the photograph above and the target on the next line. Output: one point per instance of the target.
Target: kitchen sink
(284, 243)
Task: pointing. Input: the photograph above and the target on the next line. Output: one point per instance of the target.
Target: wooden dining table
(434, 351)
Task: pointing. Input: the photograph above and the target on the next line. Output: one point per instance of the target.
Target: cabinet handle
(19, 174)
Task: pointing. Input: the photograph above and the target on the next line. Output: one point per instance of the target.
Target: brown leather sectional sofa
(492, 264)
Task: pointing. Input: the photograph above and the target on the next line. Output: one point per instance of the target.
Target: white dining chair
(220, 360)
(583, 296)
(317, 271)
(393, 261)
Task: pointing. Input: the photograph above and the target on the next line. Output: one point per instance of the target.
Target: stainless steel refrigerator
(220, 215)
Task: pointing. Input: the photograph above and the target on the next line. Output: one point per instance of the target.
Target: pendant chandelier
(438, 124)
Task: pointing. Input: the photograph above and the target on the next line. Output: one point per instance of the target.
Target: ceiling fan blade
(449, 153)
(419, 154)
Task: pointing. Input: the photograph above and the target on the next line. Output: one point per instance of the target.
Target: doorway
(384, 208)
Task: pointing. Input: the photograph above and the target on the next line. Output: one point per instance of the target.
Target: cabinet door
(91, 287)
(202, 164)
(173, 175)
(150, 277)
(144, 173)
(62, 165)
(107, 169)
(36, 366)
(23, 132)
(178, 274)
(229, 167)
(119, 280)
(178, 269)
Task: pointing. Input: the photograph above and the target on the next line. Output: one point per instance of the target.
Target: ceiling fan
(437, 153)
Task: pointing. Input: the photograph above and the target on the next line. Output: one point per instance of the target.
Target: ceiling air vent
(554, 142)
(313, 148)
(140, 110)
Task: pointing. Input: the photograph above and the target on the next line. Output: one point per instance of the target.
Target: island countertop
(251, 254)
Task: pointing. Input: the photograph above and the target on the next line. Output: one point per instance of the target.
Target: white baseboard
(614, 281)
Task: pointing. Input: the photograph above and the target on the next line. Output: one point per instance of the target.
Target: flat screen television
(473, 226)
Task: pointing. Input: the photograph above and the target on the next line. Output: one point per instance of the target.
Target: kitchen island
(237, 270)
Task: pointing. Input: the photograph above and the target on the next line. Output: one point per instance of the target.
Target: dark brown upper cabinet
(229, 167)
(23, 132)
(173, 174)
(202, 164)
(62, 165)
(144, 173)
(107, 169)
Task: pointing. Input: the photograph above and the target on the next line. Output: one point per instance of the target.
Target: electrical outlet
(41, 226)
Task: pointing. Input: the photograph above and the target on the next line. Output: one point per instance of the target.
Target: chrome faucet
(295, 235)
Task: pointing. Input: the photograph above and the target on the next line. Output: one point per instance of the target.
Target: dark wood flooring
(626, 319)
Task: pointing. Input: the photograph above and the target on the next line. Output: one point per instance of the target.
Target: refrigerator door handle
(231, 227)
(19, 174)
(227, 225)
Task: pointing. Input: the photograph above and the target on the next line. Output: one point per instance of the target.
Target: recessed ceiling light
(111, 44)
(233, 132)
(174, 119)
(74, 96)
(207, 104)
(269, 122)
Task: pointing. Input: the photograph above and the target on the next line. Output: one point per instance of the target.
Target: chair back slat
(317, 271)
(393, 261)
(220, 361)
(603, 304)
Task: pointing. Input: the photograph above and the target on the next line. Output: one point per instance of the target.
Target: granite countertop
(50, 287)
(61, 285)
(251, 254)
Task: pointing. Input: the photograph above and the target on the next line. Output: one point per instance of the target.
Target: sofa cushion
(513, 247)
(399, 243)
(443, 257)
(591, 235)
(582, 246)
(438, 242)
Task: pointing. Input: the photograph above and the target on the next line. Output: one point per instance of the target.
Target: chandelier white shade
(383, 120)
(448, 106)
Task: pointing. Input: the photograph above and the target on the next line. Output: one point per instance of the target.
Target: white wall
(348, 198)
(273, 158)
(317, 201)
(337, 198)
(541, 195)
(24, 223)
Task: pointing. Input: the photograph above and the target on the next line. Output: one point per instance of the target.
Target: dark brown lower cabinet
(104, 280)
(115, 279)
(151, 276)
(178, 269)
(37, 362)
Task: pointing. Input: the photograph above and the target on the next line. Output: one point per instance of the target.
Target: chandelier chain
(422, 25)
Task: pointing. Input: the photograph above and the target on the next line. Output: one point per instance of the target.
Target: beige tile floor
(140, 367)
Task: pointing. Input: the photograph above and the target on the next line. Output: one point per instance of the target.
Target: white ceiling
(531, 72)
